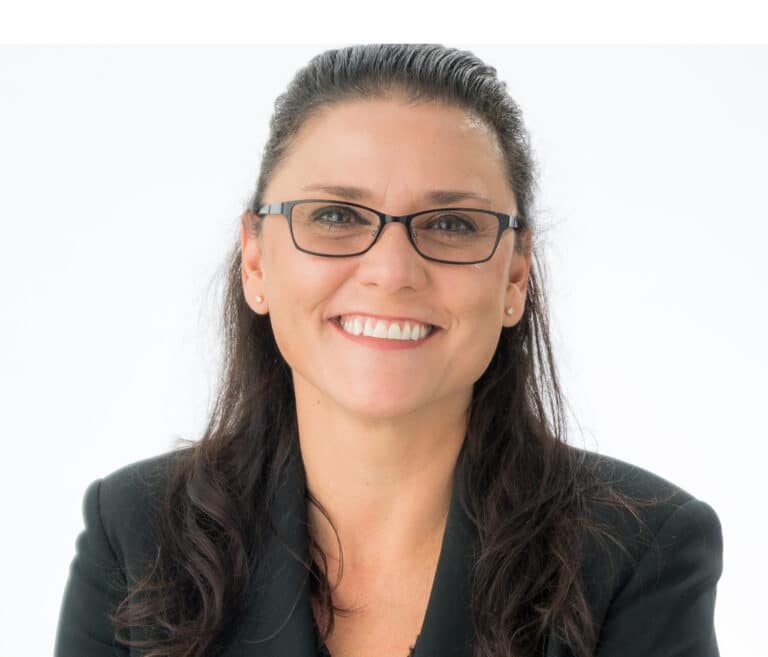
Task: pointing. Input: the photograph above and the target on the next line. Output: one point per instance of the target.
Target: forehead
(389, 145)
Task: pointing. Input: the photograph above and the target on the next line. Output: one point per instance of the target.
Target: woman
(385, 471)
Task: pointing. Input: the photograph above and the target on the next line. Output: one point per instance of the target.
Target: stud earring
(509, 310)
(259, 299)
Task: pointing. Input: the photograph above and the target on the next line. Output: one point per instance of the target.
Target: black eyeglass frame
(285, 208)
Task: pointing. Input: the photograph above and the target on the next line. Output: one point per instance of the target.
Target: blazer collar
(278, 620)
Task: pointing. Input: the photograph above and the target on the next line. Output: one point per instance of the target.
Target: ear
(251, 268)
(517, 281)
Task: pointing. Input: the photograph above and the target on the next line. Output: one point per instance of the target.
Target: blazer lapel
(278, 620)
(447, 629)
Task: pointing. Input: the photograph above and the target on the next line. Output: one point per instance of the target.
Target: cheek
(289, 275)
(477, 294)
(478, 323)
(299, 291)
(482, 335)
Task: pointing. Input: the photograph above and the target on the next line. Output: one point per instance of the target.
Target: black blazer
(660, 606)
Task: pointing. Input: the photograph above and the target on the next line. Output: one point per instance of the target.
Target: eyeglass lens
(338, 229)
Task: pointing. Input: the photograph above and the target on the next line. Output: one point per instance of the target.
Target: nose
(392, 262)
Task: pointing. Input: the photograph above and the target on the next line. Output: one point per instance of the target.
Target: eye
(337, 214)
(452, 223)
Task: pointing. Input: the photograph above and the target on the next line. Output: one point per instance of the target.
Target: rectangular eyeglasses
(338, 229)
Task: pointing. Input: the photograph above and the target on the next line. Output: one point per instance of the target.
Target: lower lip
(383, 343)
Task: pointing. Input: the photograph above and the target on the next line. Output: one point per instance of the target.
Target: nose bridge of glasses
(394, 219)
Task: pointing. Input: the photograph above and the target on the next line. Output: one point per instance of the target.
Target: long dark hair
(528, 488)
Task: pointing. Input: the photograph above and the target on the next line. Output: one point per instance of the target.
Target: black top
(658, 602)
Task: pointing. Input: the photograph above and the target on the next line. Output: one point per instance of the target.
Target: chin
(378, 407)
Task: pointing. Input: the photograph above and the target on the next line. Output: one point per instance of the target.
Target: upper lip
(391, 318)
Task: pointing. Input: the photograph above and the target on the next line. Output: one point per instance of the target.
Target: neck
(386, 485)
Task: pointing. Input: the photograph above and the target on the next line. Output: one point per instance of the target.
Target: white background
(124, 171)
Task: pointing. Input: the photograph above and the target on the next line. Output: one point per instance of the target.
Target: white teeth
(380, 331)
(384, 330)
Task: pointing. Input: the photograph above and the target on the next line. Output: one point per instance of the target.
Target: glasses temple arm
(270, 208)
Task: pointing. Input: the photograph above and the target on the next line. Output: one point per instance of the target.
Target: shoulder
(661, 551)
(116, 544)
(656, 499)
(643, 504)
(125, 504)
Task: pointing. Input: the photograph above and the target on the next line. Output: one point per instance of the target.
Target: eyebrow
(438, 196)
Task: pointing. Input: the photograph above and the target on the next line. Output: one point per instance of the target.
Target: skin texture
(380, 430)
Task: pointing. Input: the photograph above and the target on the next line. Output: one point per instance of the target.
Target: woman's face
(397, 154)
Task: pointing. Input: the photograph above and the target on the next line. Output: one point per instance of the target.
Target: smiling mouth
(384, 329)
